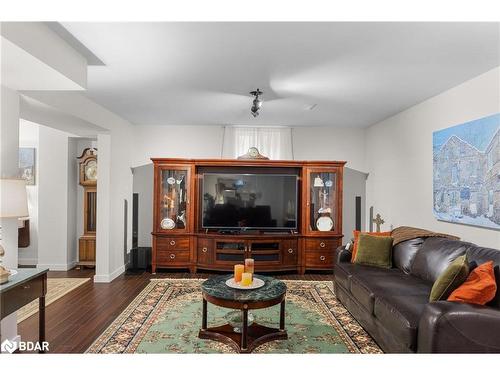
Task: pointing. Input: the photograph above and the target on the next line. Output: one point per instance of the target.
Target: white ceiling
(356, 73)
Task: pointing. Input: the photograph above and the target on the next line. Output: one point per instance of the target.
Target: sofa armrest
(342, 254)
(454, 327)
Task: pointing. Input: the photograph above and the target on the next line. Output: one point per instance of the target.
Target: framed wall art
(466, 173)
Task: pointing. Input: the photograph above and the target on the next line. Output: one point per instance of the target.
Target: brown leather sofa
(393, 304)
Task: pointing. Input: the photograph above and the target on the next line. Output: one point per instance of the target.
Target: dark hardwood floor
(75, 320)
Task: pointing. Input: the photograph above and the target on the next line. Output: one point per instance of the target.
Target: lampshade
(13, 198)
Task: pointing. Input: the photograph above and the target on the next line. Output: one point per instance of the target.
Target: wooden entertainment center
(180, 241)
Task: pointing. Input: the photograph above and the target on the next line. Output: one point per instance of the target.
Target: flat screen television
(249, 201)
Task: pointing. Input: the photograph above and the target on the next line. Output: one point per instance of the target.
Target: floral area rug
(166, 317)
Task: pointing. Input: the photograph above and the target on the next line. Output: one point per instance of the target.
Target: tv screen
(250, 201)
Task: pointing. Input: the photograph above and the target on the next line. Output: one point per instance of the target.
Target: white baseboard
(58, 267)
(27, 261)
(107, 278)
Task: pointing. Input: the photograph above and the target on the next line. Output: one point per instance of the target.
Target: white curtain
(275, 143)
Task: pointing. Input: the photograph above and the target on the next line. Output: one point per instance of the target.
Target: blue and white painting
(466, 174)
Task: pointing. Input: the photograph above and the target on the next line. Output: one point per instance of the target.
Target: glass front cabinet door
(322, 201)
(173, 200)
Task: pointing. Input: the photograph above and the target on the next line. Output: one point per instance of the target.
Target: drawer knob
(26, 286)
(322, 244)
(172, 243)
(204, 249)
(322, 258)
(172, 256)
(290, 251)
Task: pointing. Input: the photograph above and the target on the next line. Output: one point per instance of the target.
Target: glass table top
(216, 287)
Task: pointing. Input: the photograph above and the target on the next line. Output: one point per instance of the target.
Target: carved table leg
(244, 331)
(282, 316)
(204, 315)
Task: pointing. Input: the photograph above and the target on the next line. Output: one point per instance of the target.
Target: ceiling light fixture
(257, 102)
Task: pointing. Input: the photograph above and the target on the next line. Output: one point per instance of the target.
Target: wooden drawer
(172, 257)
(172, 243)
(321, 244)
(21, 295)
(289, 252)
(319, 259)
(205, 250)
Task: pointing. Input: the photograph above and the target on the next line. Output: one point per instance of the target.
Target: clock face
(91, 170)
(253, 152)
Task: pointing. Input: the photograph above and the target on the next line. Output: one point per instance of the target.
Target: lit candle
(249, 265)
(238, 271)
(246, 279)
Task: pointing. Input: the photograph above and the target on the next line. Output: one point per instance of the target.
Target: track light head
(257, 102)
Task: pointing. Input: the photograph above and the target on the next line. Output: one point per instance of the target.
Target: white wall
(53, 203)
(28, 137)
(9, 167)
(53, 200)
(309, 143)
(143, 186)
(399, 156)
(72, 202)
(354, 185)
(330, 143)
(175, 141)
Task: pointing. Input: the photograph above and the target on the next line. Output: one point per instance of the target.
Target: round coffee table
(215, 291)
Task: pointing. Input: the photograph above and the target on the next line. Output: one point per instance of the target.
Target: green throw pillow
(450, 279)
(374, 251)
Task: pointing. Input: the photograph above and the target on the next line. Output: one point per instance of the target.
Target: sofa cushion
(481, 255)
(374, 251)
(435, 256)
(400, 315)
(356, 234)
(404, 253)
(368, 283)
(451, 278)
(479, 288)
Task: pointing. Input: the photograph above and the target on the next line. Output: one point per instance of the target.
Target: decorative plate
(256, 283)
(171, 180)
(167, 223)
(324, 223)
(329, 183)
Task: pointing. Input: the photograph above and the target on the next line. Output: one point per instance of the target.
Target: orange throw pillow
(356, 233)
(479, 288)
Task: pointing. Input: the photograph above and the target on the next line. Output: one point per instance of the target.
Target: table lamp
(13, 204)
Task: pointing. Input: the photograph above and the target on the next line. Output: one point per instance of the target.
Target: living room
(245, 185)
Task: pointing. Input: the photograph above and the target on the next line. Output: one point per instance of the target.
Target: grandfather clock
(88, 179)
